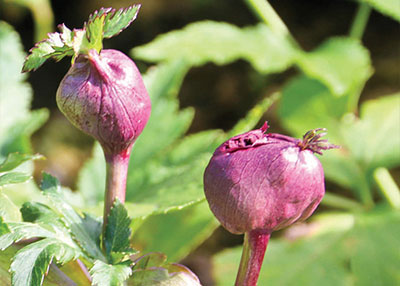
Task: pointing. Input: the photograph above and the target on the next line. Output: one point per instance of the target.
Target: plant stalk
(117, 171)
(360, 21)
(268, 15)
(388, 187)
(254, 246)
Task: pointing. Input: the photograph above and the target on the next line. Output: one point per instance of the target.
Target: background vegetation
(207, 66)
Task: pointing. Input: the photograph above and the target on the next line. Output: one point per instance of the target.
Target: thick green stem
(117, 171)
(254, 246)
(388, 187)
(360, 21)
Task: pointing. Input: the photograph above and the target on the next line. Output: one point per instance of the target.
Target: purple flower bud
(104, 96)
(258, 181)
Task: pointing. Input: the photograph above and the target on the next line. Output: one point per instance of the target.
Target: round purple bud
(259, 181)
(104, 96)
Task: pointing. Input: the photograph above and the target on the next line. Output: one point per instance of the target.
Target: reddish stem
(117, 171)
(254, 246)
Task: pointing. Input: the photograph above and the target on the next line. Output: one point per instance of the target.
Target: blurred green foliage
(353, 244)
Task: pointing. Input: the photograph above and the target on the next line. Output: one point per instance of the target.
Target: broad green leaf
(177, 233)
(167, 123)
(308, 104)
(342, 64)
(109, 275)
(15, 93)
(13, 160)
(322, 256)
(8, 210)
(390, 8)
(220, 43)
(51, 188)
(117, 21)
(18, 136)
(376, 259)
(117, 233)
(374, 139)
(17, 122)
(14, 178)
(91, 180)
(32, 262)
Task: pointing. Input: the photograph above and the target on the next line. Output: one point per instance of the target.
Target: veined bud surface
(259, 181)
(104, 96)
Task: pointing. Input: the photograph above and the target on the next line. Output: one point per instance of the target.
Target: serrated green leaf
(94, 29)
(14, 178)
(22, 230)
(31, 263)
(51, 188)
(13, 160)
(221, 43)
(390, 8)
(54, 46)
(33, 212)
(342, 64)
(117, 233)
(109, 275)
(117, 21)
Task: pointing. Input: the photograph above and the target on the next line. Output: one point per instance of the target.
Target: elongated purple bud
(104, 96)
(259, 181)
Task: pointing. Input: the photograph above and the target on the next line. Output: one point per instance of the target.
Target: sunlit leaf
(342, 64)
(109, 275)
(220, 43)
